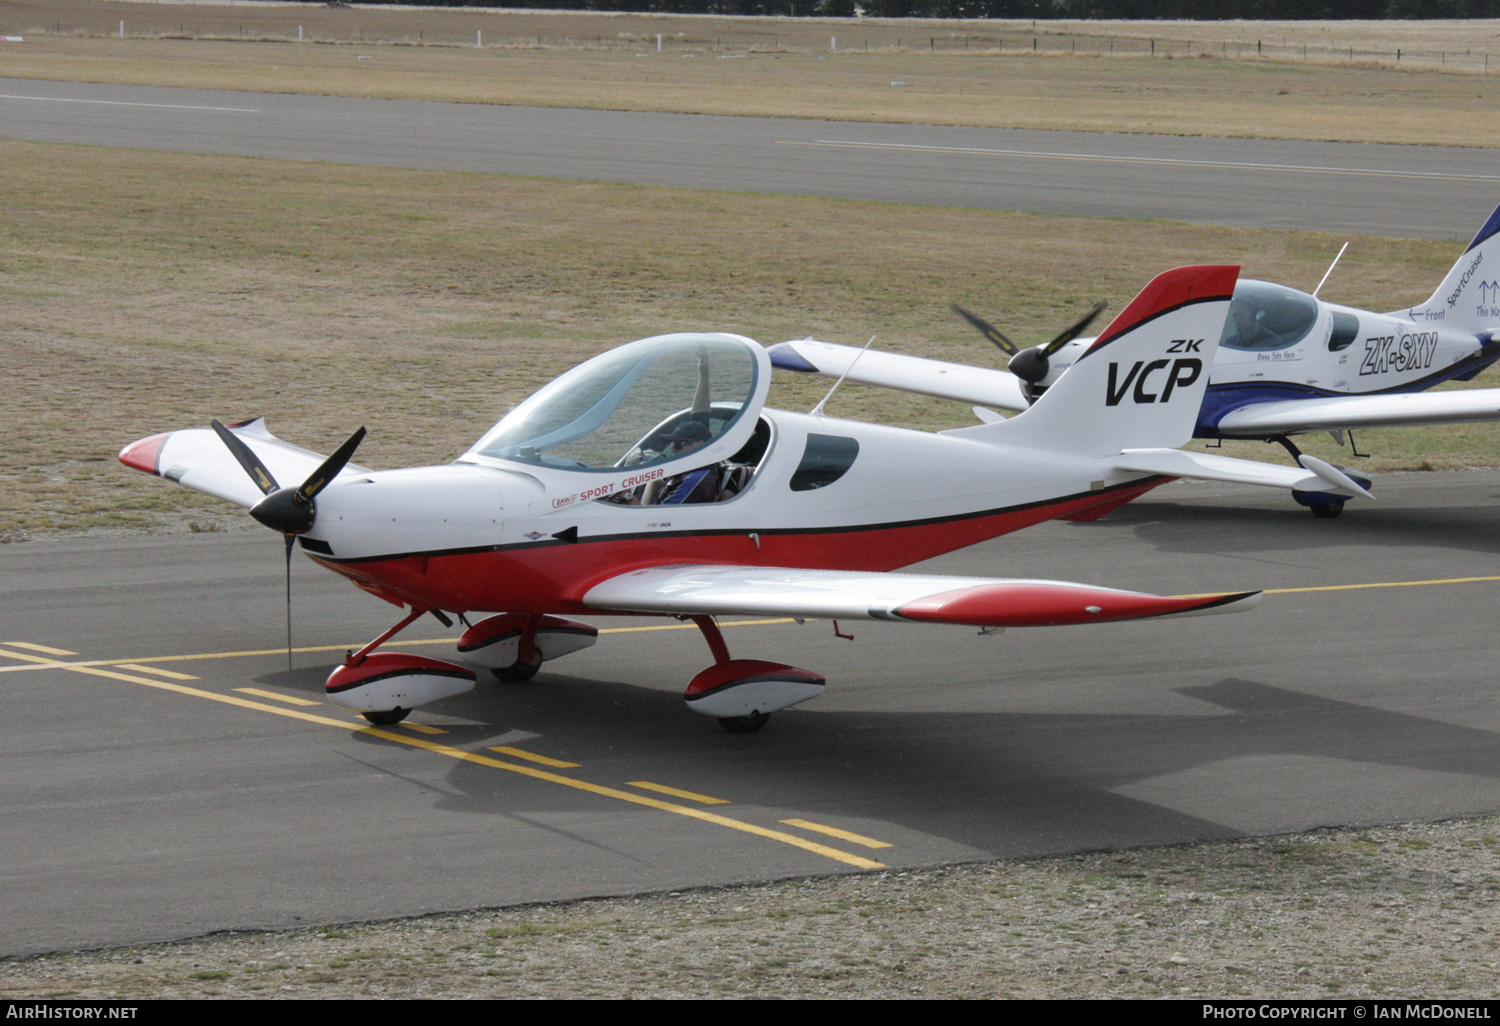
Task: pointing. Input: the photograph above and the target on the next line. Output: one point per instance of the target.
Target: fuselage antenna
(1330, 268)
(817, 411)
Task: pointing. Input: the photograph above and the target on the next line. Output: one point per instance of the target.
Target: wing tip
(785, 356)
(144, 454)
(1232, 602)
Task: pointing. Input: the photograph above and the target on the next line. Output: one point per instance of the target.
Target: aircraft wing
(993, 388)
(197, 458)
(1336, 413)
(845, 595)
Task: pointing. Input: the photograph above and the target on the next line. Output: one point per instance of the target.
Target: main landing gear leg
(1323, 505)
(528, 655)
(384, 717)
(734, 724)
(743, 693)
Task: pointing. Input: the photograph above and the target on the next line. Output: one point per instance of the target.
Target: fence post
(122, 28)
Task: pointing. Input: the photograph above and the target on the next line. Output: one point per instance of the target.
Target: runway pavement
(164, 775)
(1405, 191)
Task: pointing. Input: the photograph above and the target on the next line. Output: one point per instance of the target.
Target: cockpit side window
(1264, 317)
(718, 482)
(1345, 331)
(826, 459)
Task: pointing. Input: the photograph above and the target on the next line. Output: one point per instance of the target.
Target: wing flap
(1336, 413)
(974, 385)
(197, 458)
(835, 594)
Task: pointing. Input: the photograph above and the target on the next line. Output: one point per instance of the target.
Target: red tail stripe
(1169, 290)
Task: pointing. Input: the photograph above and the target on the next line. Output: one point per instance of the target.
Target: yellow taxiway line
(102, 668)
(843, 835)
(457, 753)
(54, 663)
(692, 796)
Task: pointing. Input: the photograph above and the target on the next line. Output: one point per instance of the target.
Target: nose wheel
(744, 724)
(386, 717)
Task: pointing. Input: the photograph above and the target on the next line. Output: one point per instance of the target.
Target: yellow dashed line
(169, 674)
(843, 835)
(422, 728)
(533, 757)
(484, 760)
(693, 796)
(344, 648)
(40, 648)
(280, 698)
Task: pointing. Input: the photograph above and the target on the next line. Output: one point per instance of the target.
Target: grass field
(144, 291)
(1206, 78)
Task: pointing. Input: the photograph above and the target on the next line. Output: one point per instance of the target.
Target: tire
(1327, 510)
(744, 724)
(519, 672)
(387, 717)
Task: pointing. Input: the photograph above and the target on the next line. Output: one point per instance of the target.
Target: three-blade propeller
(1030, 365)
(288, 510)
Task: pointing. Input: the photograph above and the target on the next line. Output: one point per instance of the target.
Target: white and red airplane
(1288, 363)
(652, 480)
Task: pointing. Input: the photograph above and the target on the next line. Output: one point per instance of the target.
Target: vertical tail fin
(1469, 297)
(1141, 383)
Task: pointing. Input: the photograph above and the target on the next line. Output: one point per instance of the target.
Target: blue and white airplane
(1288, 363)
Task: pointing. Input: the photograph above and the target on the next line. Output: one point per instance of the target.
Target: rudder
(1469, 297)
(1141, 384)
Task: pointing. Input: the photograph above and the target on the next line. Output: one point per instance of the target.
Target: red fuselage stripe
(554, 578)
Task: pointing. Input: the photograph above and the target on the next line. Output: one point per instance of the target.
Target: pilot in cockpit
(1249, 332)
(699, 485)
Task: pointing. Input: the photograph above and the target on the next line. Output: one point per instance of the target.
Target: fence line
(946, 44)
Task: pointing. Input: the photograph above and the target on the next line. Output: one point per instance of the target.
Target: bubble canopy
(641, 405)
(1266, 316)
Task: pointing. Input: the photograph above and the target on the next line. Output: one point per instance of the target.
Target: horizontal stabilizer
(842, 595)
(1346, 413)
(1207, 467)
(197, 458)
(973, 385)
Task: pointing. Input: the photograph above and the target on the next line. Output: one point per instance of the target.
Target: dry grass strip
(144, 291)
(1403, 912)
(969, 73)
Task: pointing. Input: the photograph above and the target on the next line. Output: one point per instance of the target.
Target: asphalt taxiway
(1405, 191)
(165, 775)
